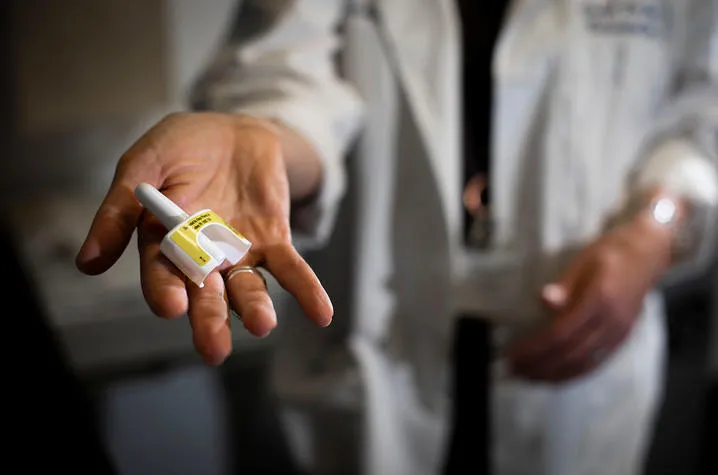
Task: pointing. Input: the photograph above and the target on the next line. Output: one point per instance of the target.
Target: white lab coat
(594, 100)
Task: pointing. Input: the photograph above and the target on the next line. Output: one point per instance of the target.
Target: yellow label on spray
(186, 235)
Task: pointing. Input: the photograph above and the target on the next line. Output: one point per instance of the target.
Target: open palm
(234, 166)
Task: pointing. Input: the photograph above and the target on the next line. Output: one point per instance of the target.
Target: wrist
(658, 220)
(305, 170)
(303, 167)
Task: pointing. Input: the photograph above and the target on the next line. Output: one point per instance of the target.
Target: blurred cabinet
(83, 61)
(88, 78)
(80, 62)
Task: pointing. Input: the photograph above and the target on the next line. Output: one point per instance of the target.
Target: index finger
(574, 320)
(115, 220)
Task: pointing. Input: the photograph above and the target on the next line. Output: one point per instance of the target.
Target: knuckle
(268, 140)
(126, 161)
(248, 286)
(210, 298)
(293, 257)
(262, 133)
(284, 254)
(175, 117)
(610, 259)
(140, 162)
(606, 290)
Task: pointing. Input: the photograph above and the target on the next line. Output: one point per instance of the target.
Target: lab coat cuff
(681, 169)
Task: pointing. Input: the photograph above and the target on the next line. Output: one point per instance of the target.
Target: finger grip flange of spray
(196, 244)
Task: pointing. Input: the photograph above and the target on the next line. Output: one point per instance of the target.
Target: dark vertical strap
(469, 449)
(470, 441)
(482, 23)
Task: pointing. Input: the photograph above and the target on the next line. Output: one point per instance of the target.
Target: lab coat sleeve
(682, 151)
(279, 63)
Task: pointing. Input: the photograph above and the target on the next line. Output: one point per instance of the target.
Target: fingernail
(91, 262)
(87, 252)
(264, 333)
(260, 328)
(555, 293)
(214, 359)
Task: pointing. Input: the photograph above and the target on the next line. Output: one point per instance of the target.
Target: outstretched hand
(235, 166)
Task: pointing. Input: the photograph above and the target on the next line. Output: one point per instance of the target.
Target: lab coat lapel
(422, 35)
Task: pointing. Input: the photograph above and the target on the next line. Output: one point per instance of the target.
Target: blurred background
(83, 80)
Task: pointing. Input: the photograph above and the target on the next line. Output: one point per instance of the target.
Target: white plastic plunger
(161, 207)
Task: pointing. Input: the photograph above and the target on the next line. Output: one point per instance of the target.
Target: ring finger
(249, 297)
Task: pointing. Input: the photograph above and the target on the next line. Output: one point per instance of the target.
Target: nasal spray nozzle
(161, 207)
(197, 244)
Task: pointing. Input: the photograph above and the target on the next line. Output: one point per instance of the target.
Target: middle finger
(209, 318)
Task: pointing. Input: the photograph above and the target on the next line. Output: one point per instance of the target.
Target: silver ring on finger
(239, 270)
(245, 269)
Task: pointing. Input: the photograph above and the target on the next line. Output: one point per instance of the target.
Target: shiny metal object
(245, 269)
(239, 270)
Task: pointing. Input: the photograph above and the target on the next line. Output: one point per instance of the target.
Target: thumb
(116, 219)
(555, 296)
